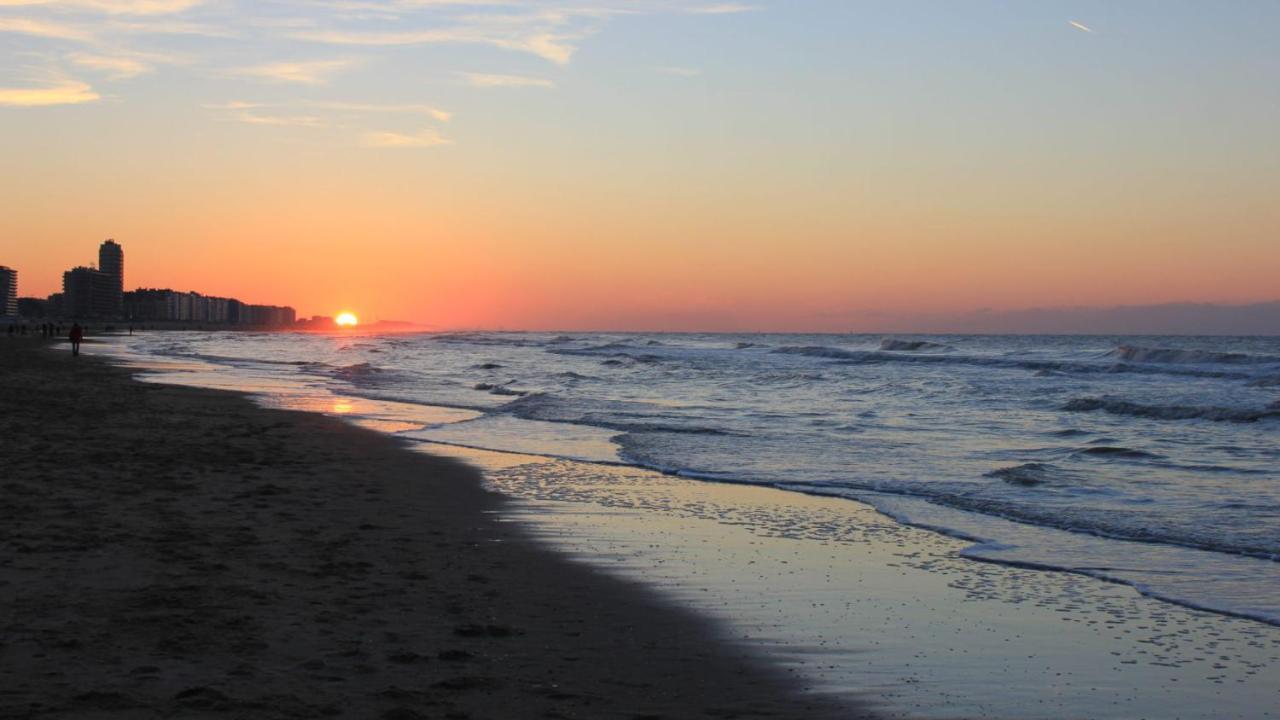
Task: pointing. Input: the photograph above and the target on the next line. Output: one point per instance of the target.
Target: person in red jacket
(76, 335)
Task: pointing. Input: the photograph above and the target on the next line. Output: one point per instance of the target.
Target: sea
(1148, 461)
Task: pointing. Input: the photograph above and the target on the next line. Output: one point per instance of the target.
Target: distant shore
(172, 551)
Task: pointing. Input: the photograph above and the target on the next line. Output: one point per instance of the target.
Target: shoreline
(180, 550)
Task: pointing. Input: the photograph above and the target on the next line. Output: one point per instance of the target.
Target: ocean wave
(1099, 524)
(895, 345)
(493, 389)
(1069, 432)
(358, 373)
(1112, 451)
(657, 427)
(510, 340)
(1170, 412)
(1173, 356)
(782, 377)
(1043, 368)
(621, 415)
(1026, 475)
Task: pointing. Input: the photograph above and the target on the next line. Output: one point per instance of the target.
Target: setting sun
(346, 319)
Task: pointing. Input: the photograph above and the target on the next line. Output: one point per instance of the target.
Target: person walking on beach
(77, 334)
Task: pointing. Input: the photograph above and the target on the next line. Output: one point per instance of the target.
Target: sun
(346, 319)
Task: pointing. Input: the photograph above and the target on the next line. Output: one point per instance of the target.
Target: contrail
(1081, 26)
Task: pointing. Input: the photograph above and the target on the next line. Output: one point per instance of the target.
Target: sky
(648, 164)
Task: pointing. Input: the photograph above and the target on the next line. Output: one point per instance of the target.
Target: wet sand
(855, 602)
(176, 552)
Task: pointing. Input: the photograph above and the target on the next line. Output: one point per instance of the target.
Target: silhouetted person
(77, 334)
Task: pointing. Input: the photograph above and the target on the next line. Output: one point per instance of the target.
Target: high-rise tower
(8, 291)
(111, 263)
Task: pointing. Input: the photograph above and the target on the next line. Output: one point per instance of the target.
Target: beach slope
(173, 552)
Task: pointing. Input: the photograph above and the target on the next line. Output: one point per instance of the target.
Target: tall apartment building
(111, 264)
(8, 291)
(95, 293)
(87, 294)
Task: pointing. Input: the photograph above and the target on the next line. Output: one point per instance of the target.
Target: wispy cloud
(44, 28)
(124, 64)
(116, 68)
(421, 139)
(68, 92)
(166, 26)
(280, 120)
(232, 105)
(679, 71)
(549, 46)
(486, 80)
(122, 39)
(424, 110)
(306, 72)
(432, 112)
(721, 9)
(111, 7)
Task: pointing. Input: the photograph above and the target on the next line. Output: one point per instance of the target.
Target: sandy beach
(176, 552)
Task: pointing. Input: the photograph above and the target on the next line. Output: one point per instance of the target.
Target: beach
(172, 551)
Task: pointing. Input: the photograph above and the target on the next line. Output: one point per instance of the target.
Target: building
(111, 264)
(33, 308)
(87, 294)
(156, 305)
(271, 315)
(90, 293)
(8, 291)
(147, 305)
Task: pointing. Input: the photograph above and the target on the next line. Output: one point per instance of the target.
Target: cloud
(544, 45)
(547, 33)
(491, 81)
(409, 109)
(232, 105)
(111, 7)
(1080, 26)
(421, 139)
(117, 67)
(280, 120)
(721, 9)
(68, 92)
(42, 28)
(430, 111)
(169, 27)
(307, 72)
(680, 71)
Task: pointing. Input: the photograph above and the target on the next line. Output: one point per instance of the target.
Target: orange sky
(721, 167)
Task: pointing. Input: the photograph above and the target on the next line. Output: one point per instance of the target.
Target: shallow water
(856, 603)
(987, 444)
(1167, 441)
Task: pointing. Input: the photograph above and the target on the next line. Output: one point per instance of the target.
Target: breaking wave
(895, 345)
(1170, 412)
(1173, 356)
(1025, 475)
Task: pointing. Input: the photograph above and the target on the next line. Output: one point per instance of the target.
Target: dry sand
(172, 552)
